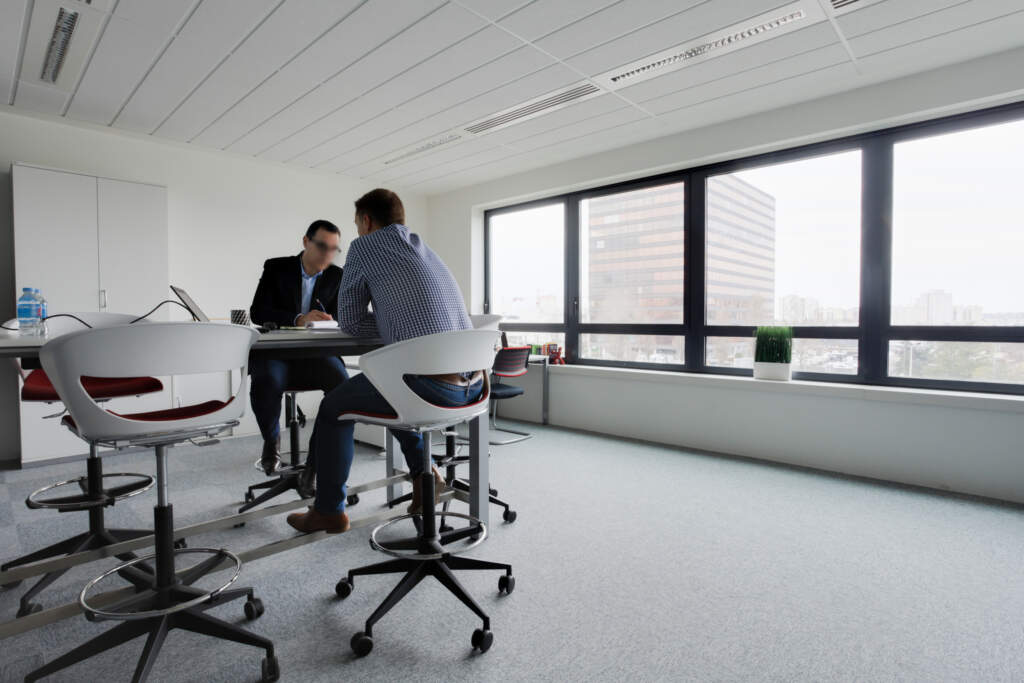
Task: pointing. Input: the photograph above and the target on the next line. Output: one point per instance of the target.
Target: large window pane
(536, 338)
(631, 256)
(633, 348)
(527, 264)
(972, 361)
(783, 243)
(958, 228)
(832, 356)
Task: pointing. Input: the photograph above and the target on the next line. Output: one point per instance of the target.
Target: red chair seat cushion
(38, 387)
(165, 415)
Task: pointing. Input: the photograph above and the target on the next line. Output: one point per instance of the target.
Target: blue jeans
(331, 445)
(270, 377)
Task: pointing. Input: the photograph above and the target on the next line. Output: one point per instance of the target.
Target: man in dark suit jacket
(294, 290)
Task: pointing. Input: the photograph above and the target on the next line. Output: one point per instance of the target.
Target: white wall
(226, 215)
(936, 441)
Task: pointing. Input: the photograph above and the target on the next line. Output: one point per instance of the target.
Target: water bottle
(28, 312)
(42, 310)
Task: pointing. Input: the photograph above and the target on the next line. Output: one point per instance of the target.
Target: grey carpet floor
(633, 562)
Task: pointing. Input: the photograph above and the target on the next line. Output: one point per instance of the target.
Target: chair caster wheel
(238, 526)
(361, 644)
(509, 516)
(271, 669)
(12, 584)
(180, 543)
(249, 497)
(30, 608)
(343, 588)
(482, 640)
(253, 609)
(506, 584)
(493, 492)
(353, 499)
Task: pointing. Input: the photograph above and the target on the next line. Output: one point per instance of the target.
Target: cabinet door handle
(103, 298)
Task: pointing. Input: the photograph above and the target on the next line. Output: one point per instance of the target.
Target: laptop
(189, 304)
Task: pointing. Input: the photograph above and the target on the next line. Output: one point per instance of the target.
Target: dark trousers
(269, 378)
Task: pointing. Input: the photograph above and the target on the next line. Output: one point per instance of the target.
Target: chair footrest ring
(84, 501)
(382, 546)
(98, 614)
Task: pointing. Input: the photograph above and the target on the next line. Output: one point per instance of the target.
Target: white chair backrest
(56, 327)
(486, 321)
(178, 348)
(435, 354)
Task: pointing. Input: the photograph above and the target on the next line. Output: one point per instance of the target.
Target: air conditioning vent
(738, 36)
(444, 140)
(542, 105)
(840, 4)
(58, 47)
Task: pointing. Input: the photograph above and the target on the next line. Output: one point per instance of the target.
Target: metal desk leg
(392, 450)
(479, 468)
(544, 393)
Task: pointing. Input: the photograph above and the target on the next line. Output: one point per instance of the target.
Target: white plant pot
(776, 371)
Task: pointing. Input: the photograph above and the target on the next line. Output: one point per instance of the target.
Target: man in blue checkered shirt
(413, 294)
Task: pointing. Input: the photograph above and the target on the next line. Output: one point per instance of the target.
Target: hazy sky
(958, 225)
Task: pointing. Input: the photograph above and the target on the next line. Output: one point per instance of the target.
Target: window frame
(874, 330)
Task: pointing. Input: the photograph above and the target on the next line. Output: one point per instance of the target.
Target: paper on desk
(322, 325)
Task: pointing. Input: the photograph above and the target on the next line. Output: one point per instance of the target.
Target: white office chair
(426, 554)
(485, 321)
(167, 600)
(91, 495)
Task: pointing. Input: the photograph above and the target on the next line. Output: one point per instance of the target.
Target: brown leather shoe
(416, 505)
(308, 522)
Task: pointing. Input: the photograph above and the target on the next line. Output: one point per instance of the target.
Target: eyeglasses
(323, 246)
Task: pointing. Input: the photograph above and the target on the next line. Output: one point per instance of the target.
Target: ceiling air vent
(444, 140)
(536, 107)
(840, 4)
(740, 35)
(58, 46)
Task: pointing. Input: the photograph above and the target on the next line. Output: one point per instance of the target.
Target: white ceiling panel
(40, 98)
(506, 69)
(775, 73)
(273, 136)
(544, 16)
(285, 32)
(494, 154)
(162, 16)
(784, 46)
(579, 111)
(889, 13)
(210, 34)
(587, 127)
(125, 53)
(322, 114)
(679, 28)
(932, 24)
(354, 138)
(318, 62)
(493, 9)
(461, 149)
(523, 89)
(610, 23)
(995, 35)
(13, 16)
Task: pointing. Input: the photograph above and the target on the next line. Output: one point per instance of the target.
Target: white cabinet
(88, 244)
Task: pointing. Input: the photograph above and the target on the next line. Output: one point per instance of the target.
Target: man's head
(378, 209)
(320, 244)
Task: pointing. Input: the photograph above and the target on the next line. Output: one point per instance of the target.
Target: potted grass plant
(773, 353)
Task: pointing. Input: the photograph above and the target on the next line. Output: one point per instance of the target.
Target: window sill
(931, 397)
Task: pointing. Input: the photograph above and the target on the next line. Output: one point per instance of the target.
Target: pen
(318, 303)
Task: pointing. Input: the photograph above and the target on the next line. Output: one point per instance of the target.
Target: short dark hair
(321, 224)
(382, 206)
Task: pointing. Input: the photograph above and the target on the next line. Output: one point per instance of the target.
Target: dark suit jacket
(279, 294)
